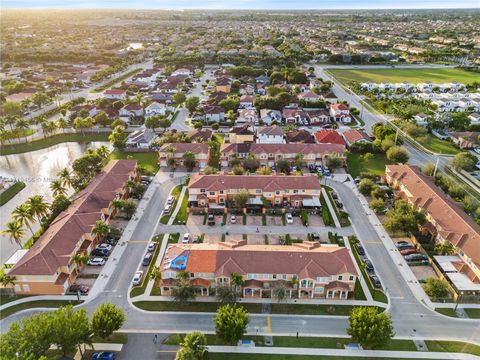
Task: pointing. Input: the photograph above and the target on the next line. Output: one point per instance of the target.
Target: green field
(147, 161)
(435, 75)
(357, 163)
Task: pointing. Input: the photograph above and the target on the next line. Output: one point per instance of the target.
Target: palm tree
(80, 259)
(101, 228)
(103, 151)
(66, 177)
(62, 124)
(15, 232)
(38, 206)
(58, 188)
(23, 215)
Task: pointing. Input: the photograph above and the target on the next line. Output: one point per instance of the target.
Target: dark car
(339, 204)
(405, 247)
(376, 281)
(146, 259)
(368, 265)
(75, 288)
(334, 195)
(147, 179)
(360, 249)
(211, 219)
(416, 257)
(104, 355)
(101, 252)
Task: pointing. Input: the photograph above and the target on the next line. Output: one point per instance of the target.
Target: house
(299, 136)
(182, 72)
(421, 119)
(214, 113)
(246, 101)
(241, 134)
(268, 116)
(48, 267)
(294, 115)
(218, 191)
(247, 116)
(329, 97)
(140, 139)
(177, 150)
(131, 111)
(446, 221)
(156, 108)
(270, 135)
(200, 135)
(354, 136)
(223, 84)
(465, 139)
(308, 96)
(340, 112)
(328, 137)
(317, 117)
(246, 89)
(89, 108)
(474, 119)
(306, 270)
(115, 94)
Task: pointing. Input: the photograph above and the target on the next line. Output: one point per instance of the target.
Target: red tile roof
(352, 136)
(196, 148)
(329, 137)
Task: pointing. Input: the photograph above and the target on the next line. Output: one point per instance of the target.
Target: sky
(242, 4)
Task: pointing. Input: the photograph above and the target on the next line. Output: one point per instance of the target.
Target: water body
(37, 169)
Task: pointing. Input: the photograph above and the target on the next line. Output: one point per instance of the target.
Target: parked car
(171, 200)
(196, 239)
(405, 247)
(101, 252)
(416, 257)
(334, 195)
(167, 209)
(408, 251)
(96, 262)
(376, 281)
(105, 246)
(401, 243)
(186, 238)
(233, 219)
(104, 355)
(79, 287)
(211, 219)
(137, 278)
(316, 237)
(360, 249)
(289, 218)
(146, 259)
(339, 204)
(151, 247)
(369, 265)
(146, 178)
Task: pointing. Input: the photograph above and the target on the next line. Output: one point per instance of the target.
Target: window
(319, 290)
(274, 276)
(295, 191)
(266, 276)
(26, 288)
(212, 193)
(221, 191)
(277, 192)
(340, 277)
(284, 277)
(258, 191)
(202, 190)
(192, 275)
(351, 277)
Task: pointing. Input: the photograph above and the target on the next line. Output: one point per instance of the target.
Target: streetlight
(458, 300)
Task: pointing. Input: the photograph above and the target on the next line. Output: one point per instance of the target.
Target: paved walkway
(340, 352)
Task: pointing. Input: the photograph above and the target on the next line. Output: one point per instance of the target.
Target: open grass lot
(36, 304)
(148, 161)
(376, 165)
(182, 214)
(441, 146)
(452, 346)
(13, 190)
(437, 75)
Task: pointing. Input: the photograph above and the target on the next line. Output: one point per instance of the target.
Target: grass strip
(36, 304)
(10, 193)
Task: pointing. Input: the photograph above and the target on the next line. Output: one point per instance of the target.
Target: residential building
(140, 139)
(115, 94)
(306, 270)
(465, 139)
(214, 113)
(270, 135)
(340, 112)
(247, 116)
(177, 150)
(200, 135)
(308, 96)
(241, 134)
(156, 108)
(299, 136)
(421, 119)
(131, 111)
(246, 101)
(354, 136)
(326, 136)
(268, 115)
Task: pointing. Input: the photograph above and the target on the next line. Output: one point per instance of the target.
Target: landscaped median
(176, 194)
(115, 81)
(13, 190)
(471, 313)
(36, 304)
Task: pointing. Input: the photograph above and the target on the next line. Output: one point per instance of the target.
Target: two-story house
(241, 134)
(270, 135)
(115, 94)
(177, 150)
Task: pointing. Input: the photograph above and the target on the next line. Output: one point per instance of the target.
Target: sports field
(434, 75)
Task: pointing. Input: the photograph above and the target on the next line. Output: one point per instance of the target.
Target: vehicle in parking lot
(101, 252)
(146, 259)
(196, 239)
(211, 219)
(137, 278)
(151, 246)
(360, 249)
(289, 218)
(96, 262)
(104, 355)
(233, 219)
(401, 243)
(316, 237)
(186, 238)
(105, 246)
(376, 281)
(416, 257)
(79, 287)
(408, 251)
(147, 179)
(405, 247)
(369, 265)
(338, 203)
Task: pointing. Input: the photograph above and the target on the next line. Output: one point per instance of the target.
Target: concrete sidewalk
(340, 352)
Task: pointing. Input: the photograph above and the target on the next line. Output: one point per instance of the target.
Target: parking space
(423, 272)
(274, 220)
(273, 239)
(212, 238)
(233, 237)
(315, 220)
(91, 270)
(237, 219)
(254, 220)
(85, 281)
(297, 221)
(195, 220)
(254, 239)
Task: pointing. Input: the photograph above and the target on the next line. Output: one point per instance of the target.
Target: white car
(96, 262)
(151, 247)
(137, 279)
(289, 218)
(186, 238)
(477, 150)
(170, 200)
(167, 209)
(105, 247)
(233, 219)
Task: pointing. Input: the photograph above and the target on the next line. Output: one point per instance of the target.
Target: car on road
(408, 251)
(233, 219)
(147, 179)
(75, 288)
(151, 247)
(211, 219)
(186, 238)
(289, 218)
(360, 249)
(368, 265)
(104, 355)
(105, 246)
(146, 259)
(96, 262)
(376, 281)
(137, 278)
(416, 257)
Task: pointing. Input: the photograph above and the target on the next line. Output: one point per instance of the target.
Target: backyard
(147, 161)
(358, 162)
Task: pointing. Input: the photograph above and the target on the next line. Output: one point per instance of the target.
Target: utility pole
(436, 167)
(396, 137)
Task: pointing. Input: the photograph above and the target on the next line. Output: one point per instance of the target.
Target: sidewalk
(340, 352)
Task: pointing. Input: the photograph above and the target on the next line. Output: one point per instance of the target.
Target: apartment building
(177, 150)
(306, 270)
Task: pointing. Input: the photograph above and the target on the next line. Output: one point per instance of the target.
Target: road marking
(269, 324)
(374, 242)
(166, 351)
(138, 241)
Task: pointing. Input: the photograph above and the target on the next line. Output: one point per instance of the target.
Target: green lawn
(13, 190)
(341, 215)
(358, 293)
(452, 346)
(473, 313)
(17, 133)
(147, 161)
(36, 304)
(115, 81)
(437, 75)
(140, 290)
(376, 165)
(446, 311)
(175, 193)
(182, 214)
(233, 356)
(441, 146)
(326, 216)
(116, 338)
(50, 141)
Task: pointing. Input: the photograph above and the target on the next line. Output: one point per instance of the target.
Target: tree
(102, 119)
(183, 290)
(66, 177)
(38, 206)
(377, 205)
(23, 215)
(428, 169)
(80, 259)
(59, 204)
(397, 154)
(15, 232)
(179, 98)
(250, 163)
(193, 347)
(283, 165)
(62, 124)
(230, 103)
(333, 162)
(404, 217)
(369, 327)
(279, 292)
(118, 137)
(231, 323)
(464, 161)
(436, 288)
(70, 328)
(152, 122)
(107, 319)
(445, 248)
(128, 207)
(118, 122)
(366, 186)
(101, 228)
(57, 188)
(7, 280)
(227, 294)
(164, 123)
(12, 109)
(39, 99)
(241, 198)
(189, 160)
(192, 104)
(83, 123)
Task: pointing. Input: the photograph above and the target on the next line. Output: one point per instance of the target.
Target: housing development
(239, 184)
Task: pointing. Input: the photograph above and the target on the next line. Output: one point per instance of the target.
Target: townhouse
(156, 108)
(270, 135)
(241, 134)
(269, 154)
(131, 111)
(305, 270)
(218, 191)
(177, 150)
(48, 267)
(446, 221)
